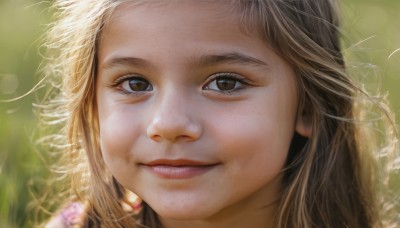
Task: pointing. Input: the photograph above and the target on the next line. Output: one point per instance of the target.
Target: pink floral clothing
(74, 215)
(71, 216)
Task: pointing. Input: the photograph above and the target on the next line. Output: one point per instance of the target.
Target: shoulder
(72, 215)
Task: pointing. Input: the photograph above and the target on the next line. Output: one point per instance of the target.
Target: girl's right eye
(134, 84)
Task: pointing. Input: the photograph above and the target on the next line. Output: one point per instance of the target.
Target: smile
(178, 169)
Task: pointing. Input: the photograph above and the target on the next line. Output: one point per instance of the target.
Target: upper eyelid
(226, 74)
(125, 77)
(231, 75)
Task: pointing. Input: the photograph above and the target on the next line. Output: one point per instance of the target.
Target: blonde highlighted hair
(330, 179)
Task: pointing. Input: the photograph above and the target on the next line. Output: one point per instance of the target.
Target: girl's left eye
(224, 82)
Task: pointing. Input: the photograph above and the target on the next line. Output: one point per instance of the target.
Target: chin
(185, 213)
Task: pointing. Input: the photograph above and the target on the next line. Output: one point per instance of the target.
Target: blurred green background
(22, 22)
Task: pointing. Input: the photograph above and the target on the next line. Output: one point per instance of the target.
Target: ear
(303, 125)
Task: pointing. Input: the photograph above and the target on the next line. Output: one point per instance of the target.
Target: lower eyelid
(135, 95)
(117, 89)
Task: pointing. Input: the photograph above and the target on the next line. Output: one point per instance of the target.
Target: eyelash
(117, 84)
(243, 83)
(230, 76)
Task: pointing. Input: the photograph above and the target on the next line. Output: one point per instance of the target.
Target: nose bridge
(173, 117)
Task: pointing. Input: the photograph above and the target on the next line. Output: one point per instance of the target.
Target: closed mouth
(177, 163)
(178, 169)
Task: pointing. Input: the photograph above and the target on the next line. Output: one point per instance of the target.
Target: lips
(178, 169)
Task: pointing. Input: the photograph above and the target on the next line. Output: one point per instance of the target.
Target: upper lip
(178, 162)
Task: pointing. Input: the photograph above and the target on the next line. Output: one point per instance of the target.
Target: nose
(173, 119)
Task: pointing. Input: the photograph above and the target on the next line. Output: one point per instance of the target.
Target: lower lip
(178, 172)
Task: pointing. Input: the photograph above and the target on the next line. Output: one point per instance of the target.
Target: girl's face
(196, 116)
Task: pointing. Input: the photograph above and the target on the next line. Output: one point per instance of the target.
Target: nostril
(185, 138)
(156, 138)
(159, 138)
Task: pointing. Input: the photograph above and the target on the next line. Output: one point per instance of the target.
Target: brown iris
(225, 84)
(138, 84)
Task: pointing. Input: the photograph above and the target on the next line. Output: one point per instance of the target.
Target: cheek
(253, 140)
(119, 130)
(255, 136)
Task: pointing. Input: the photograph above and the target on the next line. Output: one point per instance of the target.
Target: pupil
(138, 85)
(226, 84)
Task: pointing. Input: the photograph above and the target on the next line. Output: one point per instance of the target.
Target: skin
(181, 113)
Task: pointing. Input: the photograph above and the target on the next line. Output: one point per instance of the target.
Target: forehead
(205, 8)
(155, 26)
(185, 13)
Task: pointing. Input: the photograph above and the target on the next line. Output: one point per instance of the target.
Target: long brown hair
(330, 179)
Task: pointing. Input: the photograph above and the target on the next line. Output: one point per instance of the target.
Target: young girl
(210, 114)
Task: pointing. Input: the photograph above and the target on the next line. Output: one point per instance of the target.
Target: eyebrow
(132, 61)
(205, 60)
(230, 57)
